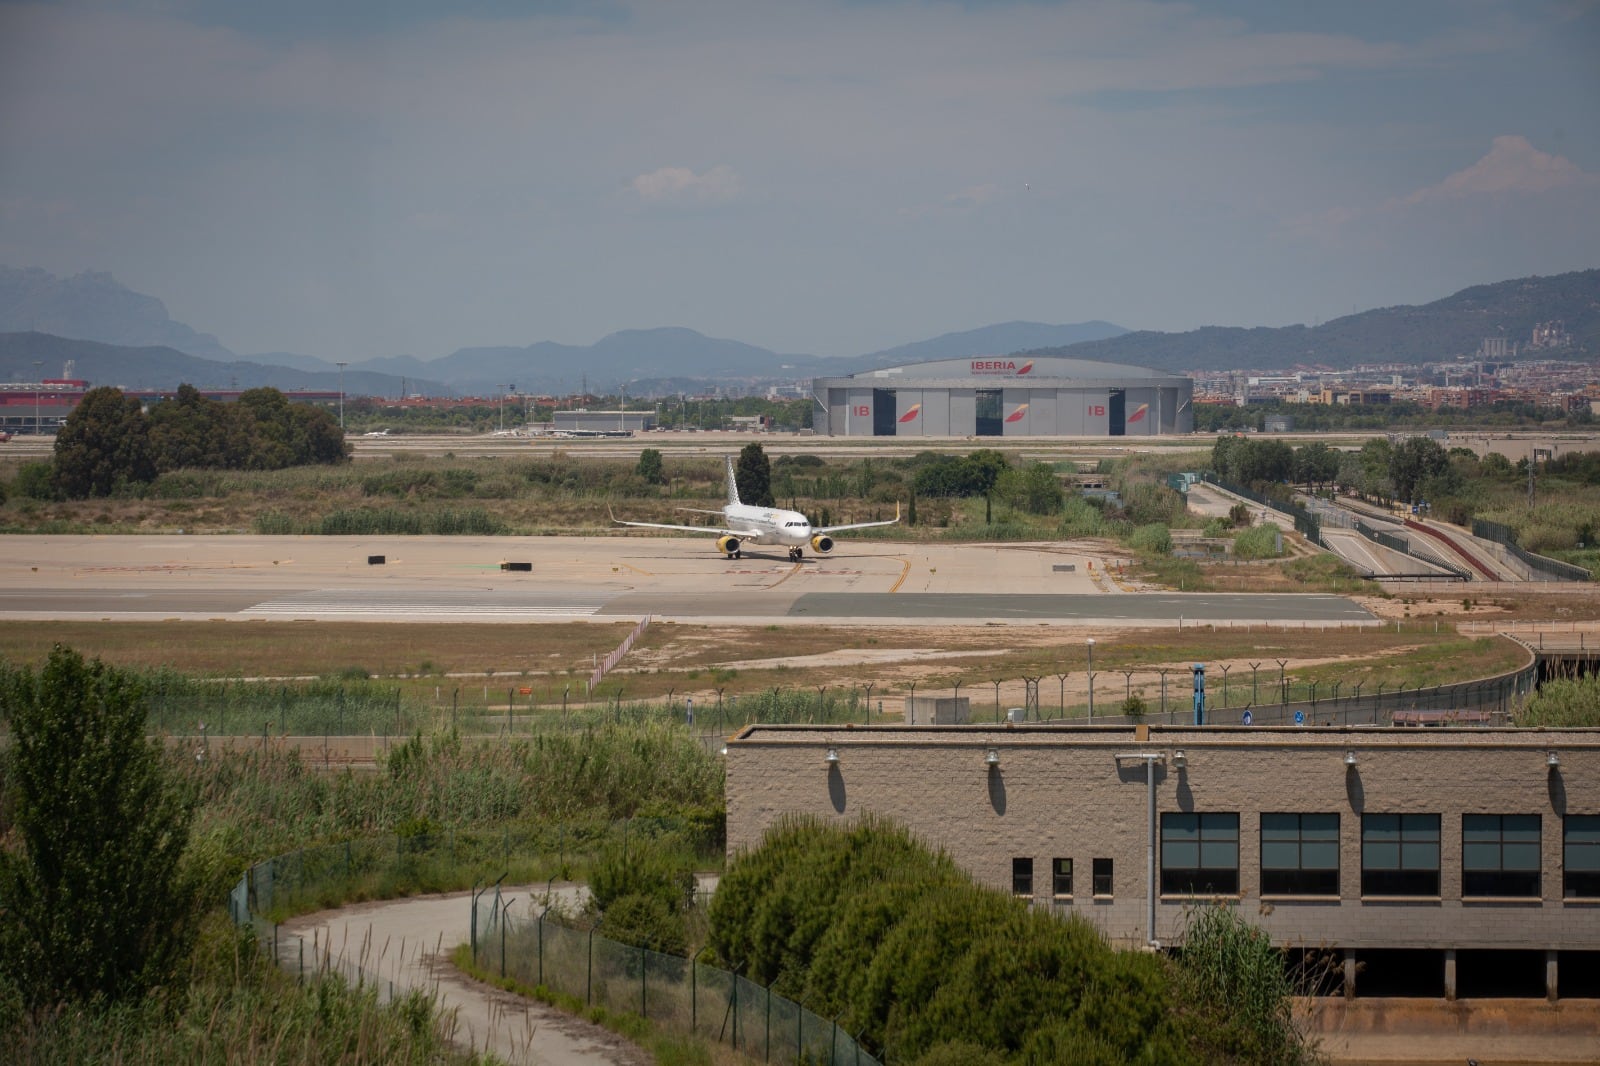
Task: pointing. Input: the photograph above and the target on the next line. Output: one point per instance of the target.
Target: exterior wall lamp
(1180, 761)
(1552, 760)
(832, 758)
(991, 759)
(1349, 758)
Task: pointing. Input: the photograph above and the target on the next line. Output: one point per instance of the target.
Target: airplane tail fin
(733, 483)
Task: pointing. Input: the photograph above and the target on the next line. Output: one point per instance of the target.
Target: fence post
(588, 990)
(694, 1002)
(644, 985)
(503, 923)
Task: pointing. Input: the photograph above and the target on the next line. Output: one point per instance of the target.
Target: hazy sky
(351, 178)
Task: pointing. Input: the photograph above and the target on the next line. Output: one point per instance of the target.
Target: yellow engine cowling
(822, 544)
(727, 545)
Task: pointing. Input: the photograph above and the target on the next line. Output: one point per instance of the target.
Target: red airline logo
(1139, 414)
(1016, 416)
(1097, 410)
(1001, 366)
(911, 413)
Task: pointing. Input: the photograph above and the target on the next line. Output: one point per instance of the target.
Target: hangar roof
(1011, 367)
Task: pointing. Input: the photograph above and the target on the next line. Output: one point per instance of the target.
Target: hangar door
(883, 408)
(990, 413)
(1117, 413)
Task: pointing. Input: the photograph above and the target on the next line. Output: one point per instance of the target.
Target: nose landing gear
(795, 554)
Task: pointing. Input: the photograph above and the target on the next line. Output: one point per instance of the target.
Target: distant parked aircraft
(747, 524)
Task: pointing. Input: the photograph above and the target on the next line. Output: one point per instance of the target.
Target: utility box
(938, 710)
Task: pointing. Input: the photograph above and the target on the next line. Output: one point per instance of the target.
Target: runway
(564, 579)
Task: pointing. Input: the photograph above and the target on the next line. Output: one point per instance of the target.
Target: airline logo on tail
(1138, 415)
(1017, 415)
(911, 413)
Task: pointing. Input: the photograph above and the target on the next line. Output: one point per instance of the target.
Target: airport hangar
(1004, 396)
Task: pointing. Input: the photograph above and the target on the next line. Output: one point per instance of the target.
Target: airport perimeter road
(466, 579)
(406, 943)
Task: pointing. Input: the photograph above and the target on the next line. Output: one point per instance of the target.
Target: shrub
(35, 481)
(1564, 702)
(1257, 542)
(1153, 539)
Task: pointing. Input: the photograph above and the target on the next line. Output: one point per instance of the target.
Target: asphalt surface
(431, 579)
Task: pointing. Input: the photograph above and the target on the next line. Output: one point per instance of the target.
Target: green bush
(646, 921)
(1153, 539)
(1257, 542)
(35, 481)
(1564, 702)
(865, 924)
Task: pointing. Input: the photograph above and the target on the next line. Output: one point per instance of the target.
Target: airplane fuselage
(769, 525)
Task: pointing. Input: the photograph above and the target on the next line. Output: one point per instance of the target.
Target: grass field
(469, 676)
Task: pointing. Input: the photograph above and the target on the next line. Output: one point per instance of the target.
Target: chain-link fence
(682, 994)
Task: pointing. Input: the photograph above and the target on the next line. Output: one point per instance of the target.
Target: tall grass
(262, 801)
(240, 1008)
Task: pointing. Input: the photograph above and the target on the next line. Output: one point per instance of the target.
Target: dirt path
(405, 944)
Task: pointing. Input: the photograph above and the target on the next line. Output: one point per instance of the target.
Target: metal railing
(1554, 568)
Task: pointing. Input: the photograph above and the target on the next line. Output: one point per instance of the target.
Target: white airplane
(747, 524)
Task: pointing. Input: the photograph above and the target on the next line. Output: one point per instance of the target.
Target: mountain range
(117, 336)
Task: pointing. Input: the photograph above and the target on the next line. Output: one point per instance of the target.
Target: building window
(1102, 877)
(1581, 856)
(1199, 853)
(1299, 854)
(1500, 855)
(1400, 855)
(1061, 877)
(1022, 877)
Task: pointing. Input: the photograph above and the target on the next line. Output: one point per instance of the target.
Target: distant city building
(1004, 396)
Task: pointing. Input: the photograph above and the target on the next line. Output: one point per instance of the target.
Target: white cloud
(1512, 166)
(682, 185)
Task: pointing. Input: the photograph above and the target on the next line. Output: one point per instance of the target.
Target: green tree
(1034, 488)
(754, 476)
(103, 445)
(650, 468)
(97, 903)
(183, 430)
(1414, 461)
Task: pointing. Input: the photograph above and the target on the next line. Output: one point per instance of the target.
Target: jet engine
(822, 544)
(728, 545)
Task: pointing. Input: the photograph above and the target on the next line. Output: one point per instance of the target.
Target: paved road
(404, 945)
(569, 578)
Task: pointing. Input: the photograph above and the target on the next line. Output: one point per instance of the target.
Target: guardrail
(1502, 535)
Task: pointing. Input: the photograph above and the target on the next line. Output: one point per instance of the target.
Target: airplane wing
(742, 534)
(861, 525)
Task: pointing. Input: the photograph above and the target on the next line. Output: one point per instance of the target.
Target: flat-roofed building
(1442, 861)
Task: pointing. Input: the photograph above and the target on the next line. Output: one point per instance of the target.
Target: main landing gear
(735, 554)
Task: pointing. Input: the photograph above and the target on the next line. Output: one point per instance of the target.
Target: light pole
(1091, 681)
(341, 367)
(37, 385)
